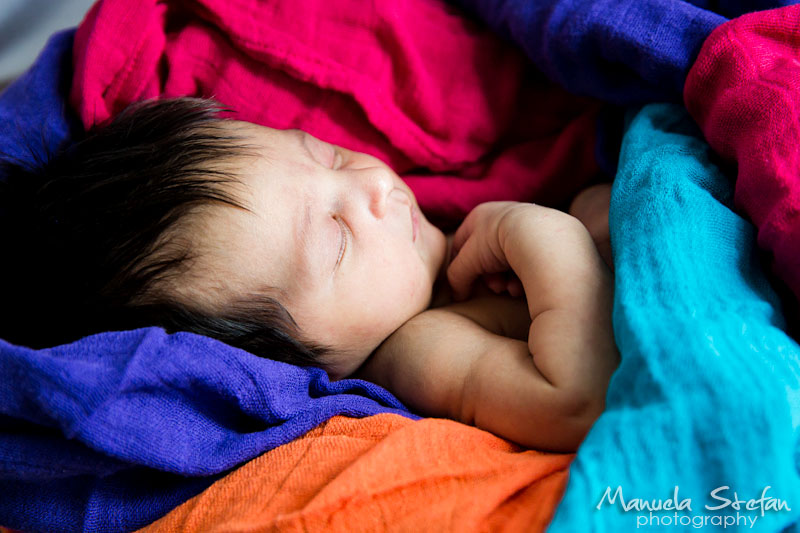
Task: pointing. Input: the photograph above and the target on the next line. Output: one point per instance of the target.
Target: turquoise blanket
(703, 413)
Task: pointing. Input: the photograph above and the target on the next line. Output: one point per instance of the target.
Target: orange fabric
(381, 473)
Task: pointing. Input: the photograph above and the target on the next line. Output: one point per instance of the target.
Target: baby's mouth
(414, 213)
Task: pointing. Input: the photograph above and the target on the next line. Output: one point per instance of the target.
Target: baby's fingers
(505, 282)
(495, 282)
(463, 270)
(515, 288)
(464, 231)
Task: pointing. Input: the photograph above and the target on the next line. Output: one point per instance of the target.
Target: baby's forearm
(569, 292)
(446, 363)
(426, 361)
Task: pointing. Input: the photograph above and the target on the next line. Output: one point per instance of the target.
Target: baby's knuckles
(524, 221)
(488, 220)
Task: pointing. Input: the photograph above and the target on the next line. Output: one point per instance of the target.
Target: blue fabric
(735, 8)
(620, 51)
(113, 431)
(708, 390)
(33, 110)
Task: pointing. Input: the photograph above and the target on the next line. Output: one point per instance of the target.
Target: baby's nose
(378, 183)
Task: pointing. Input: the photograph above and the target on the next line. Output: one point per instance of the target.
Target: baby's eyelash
(345, 232)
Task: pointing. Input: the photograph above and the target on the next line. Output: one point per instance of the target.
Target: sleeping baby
(298, 250)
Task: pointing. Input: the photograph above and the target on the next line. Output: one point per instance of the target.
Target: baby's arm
(571, 350)
(426, 362)
(543, 393)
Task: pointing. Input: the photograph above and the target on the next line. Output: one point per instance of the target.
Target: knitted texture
(708, 390)
(744, 91)
(621, 51)
(383, 473)
(34, 116)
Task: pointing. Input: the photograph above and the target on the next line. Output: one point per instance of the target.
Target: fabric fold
(625, 52)
(92, 429)
(744, 92)
(380, 473)
(707, 394)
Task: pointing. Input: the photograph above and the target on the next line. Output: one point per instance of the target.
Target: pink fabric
(412, 82)
(744, 91)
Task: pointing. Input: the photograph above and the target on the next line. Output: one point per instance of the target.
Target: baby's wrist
(550, 251)
(514, 221)
(528, 228)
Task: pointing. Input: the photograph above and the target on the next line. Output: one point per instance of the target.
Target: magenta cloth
(744, 91)
(452, 108)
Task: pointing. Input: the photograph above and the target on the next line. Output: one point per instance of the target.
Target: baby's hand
(538, 246)
(478, 251)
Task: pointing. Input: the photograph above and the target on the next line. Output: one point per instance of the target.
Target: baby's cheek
(375, 308)
(365, 327)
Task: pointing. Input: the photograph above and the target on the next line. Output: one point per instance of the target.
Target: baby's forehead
(273, 139)
(241, 250)
(257, 243)
(271, 156)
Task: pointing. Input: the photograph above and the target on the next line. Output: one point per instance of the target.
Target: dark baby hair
(92, 236)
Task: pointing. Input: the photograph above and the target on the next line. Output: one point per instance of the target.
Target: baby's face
(336, 236)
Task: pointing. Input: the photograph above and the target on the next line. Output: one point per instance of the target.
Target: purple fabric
(112, 431)
(621, 51)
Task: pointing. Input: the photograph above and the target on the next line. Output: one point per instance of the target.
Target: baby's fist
(477, 245)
